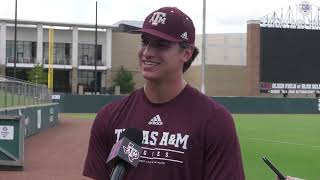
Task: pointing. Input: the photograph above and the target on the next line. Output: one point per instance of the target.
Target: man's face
(161, 59)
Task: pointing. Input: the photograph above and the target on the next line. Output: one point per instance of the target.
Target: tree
(38, 75)
(124, 79)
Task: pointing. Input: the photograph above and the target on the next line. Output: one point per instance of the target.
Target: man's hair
(185, 45)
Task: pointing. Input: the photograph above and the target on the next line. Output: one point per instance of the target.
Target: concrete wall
(23, 34)
(221, 80)
(223, 49)
(253, 58)
(226, 71)
(125, 53)
(60, 36)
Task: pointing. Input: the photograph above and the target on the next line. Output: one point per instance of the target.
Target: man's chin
(149, 77)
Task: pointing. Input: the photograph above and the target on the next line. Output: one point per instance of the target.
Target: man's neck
(158, 92)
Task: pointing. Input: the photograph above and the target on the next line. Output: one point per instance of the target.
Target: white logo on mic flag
(132, 153)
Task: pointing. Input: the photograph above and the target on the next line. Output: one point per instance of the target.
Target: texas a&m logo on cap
(158, 17)
(169, 23)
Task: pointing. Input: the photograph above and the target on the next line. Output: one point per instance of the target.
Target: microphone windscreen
(133, 134)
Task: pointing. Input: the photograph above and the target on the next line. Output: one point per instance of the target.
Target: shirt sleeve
(222, 150)
(99, 148)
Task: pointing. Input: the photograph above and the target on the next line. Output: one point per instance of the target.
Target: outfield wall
(249, 105)
(18, 123)
(83, 103)
(36, 117)
(266, 105)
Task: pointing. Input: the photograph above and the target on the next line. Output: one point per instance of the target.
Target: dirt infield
(57, 153)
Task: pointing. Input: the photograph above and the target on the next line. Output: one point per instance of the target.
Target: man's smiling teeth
(148, 63)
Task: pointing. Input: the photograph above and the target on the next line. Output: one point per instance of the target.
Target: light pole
(95, 52)
(15, 40)
(203, 59)
(36, 77)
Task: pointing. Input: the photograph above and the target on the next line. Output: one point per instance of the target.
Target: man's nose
(148, 50)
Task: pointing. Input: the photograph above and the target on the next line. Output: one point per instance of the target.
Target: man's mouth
(150, 63)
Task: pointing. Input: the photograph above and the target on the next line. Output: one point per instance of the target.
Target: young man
(186, 135)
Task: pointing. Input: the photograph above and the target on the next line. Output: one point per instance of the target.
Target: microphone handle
(118, 172)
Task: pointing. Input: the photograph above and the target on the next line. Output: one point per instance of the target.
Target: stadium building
(73, 52)
(237, 64)
(73, 63)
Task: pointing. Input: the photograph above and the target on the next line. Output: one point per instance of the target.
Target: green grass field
(291, 142)
(84, 116)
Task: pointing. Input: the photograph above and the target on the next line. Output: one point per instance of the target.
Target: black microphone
(125, 153)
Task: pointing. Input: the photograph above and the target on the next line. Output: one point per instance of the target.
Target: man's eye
(155, 44)
(163, 44)
(144, 43)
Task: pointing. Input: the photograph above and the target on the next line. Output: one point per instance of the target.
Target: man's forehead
(152, 37)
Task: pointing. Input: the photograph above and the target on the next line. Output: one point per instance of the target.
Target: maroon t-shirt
(188, 138)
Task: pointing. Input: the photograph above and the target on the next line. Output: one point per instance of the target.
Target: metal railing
(25, 60)
(90, 62)
(57, 61)
(15, 92)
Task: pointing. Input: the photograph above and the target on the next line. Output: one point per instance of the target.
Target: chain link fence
(15, 92)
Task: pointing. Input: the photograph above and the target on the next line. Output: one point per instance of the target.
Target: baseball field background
(290, 141)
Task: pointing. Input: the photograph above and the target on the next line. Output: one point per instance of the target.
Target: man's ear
(187, 54)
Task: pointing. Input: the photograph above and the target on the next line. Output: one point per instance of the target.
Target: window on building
(86, 79)
(86, 54)
(61, 81)
(61, 53)
(21, 73)
(26, 51)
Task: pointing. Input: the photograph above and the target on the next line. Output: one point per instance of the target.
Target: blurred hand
(290, 178)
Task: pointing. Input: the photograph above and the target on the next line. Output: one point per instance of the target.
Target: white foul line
(283, 142)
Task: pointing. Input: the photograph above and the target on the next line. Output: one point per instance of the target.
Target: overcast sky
(223, 16)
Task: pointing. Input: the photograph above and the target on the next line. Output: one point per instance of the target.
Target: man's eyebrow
(163, 40)
(146, 37)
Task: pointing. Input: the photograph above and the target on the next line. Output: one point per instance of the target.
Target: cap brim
(156, 33)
